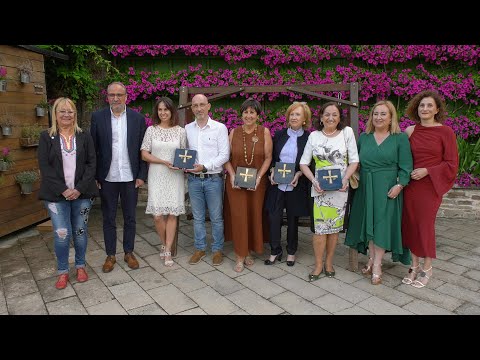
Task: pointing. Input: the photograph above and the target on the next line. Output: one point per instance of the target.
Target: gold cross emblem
(185, 156)
(246, 175)
(330, 177)
(284, 170)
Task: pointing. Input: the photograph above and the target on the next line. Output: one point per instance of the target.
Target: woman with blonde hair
(288, 146)
(67, 160)
(385, 166)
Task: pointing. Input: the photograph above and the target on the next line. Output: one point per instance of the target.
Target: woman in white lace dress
(166, 184)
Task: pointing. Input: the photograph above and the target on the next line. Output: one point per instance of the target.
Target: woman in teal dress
(385, 167)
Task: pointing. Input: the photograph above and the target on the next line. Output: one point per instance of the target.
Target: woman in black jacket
(66, 156)
(288, 146)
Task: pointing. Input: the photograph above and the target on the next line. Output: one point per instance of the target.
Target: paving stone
(30, 304)
(112, 307)
(296, 305)
(332, 303)
(260, 285)
(67, 306)
(151, 309)
(171, 299)
(253, 303)
(19, 285)
(220, 282)
(421, 307)
(211, 302)
(130, 295)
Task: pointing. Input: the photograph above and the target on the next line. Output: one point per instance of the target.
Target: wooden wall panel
(18, 102)
(23, 222)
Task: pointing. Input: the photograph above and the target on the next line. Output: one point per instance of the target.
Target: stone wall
(461, 203)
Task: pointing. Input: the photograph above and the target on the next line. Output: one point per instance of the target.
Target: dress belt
(366, 178)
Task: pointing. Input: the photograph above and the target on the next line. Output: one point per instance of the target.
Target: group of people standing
(119, 153)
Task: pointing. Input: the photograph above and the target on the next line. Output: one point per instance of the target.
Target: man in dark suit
(117, 133)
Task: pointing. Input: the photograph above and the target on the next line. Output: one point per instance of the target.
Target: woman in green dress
(385, 167)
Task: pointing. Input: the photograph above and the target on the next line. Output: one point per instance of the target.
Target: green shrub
(27, 177)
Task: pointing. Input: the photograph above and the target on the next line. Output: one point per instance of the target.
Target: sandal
(162, 251)
(239, 266)
(412, 274)
(422, 275)
(367, 269)
(376, 278)
(168, 258)
(249, 261)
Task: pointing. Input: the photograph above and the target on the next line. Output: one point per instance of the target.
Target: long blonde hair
(60, 101)
(394, 127)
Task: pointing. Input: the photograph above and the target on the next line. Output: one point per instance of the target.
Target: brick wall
(461, 203)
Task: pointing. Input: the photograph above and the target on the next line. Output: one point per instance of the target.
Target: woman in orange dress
(245, 222)
(435, 166)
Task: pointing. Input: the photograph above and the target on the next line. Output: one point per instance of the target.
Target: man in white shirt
(205, 181)
(117, 133)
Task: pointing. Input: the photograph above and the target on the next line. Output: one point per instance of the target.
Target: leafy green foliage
(469, 157)
(82, 77)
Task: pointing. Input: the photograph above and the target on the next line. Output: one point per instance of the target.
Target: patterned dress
(166, 187)
(330, 153)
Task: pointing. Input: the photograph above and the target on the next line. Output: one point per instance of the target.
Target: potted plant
(3, 78)
(6, 125)
(6, 161)
(26, 180)
(42, 107)
(30, 135)
(26, 70)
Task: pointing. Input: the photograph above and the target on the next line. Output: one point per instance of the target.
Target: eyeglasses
(113, 96)
(64, 112)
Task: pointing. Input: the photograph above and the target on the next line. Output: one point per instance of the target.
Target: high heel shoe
(313, 277)
(376, 278)
(162, 252)
(271, 262)
(412, 274)
(367, 269)
(422, 276)
(329, 274)
(291, 262)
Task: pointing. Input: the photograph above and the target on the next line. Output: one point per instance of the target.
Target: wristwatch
(204, 169)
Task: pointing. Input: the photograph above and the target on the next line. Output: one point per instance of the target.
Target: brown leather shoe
(109, 263)
(196, 257)
(131, 261)
(217, 258)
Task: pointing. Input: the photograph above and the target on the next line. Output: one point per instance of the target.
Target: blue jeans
(69, 220)
(203, 193)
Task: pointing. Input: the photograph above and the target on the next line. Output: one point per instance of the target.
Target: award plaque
(246, 177)
(184, 158)
(283, 173)
(330, 179)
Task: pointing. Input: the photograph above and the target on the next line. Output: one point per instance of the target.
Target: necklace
(334, 131)
(254, 140)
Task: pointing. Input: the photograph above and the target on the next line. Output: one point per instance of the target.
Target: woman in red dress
(435, 165)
